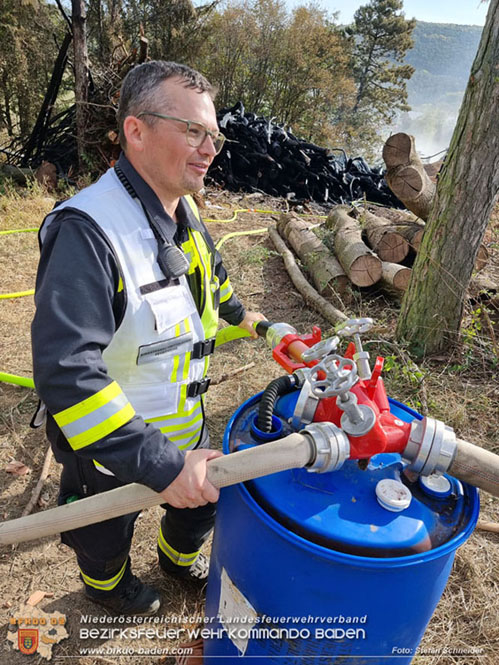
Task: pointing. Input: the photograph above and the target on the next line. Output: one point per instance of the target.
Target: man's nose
(207, 147)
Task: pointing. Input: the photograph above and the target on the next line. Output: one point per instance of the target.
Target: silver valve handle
(321, 349)
(341, 375)
(354, 328)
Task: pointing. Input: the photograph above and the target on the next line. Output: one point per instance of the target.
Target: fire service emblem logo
(27, 640)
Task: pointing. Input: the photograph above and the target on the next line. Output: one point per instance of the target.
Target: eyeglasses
(195, 132)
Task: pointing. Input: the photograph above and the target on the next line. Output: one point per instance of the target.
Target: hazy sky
(470, 12)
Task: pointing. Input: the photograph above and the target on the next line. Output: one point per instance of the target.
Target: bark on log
(383, 238)
(308, 292)
(412, 232)
(406, 175)
(395, 277)
(360, 263)
(326, 271)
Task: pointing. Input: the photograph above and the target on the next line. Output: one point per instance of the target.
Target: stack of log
(372, 246)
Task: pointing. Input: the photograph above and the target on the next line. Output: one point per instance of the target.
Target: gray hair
(140, 90)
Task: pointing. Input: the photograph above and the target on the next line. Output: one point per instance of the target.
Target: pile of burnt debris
(260, 155)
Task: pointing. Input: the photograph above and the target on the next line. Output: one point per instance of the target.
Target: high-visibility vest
(157, 353)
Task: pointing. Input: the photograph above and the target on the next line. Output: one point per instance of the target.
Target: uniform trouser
(102, 549)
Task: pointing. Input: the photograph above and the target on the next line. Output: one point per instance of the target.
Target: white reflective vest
(150, 353)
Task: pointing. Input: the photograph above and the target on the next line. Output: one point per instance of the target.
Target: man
(127, 298)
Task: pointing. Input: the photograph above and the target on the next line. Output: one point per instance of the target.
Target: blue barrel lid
(341, 510)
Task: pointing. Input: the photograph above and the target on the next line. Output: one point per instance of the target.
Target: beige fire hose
(476, 466)
(470, 464)
(293, 451)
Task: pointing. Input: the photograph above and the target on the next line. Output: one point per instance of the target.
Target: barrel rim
(472, 509)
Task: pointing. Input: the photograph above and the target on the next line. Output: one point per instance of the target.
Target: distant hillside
(442, 57)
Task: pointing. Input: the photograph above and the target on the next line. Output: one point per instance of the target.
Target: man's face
(174, 168)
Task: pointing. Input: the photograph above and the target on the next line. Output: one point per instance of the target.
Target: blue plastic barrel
(310, 568)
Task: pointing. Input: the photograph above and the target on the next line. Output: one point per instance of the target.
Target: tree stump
(360, 263)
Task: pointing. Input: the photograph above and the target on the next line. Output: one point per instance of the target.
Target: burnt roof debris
(260, 155)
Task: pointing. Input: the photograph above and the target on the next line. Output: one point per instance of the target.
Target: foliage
(382, 37)
(293, 67)
(28, 33)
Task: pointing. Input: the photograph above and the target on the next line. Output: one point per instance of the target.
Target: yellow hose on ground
(4, 233)
(25, 381)
(19, 294)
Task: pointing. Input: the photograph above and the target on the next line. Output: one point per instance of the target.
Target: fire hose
(471, 464)
(347, 416)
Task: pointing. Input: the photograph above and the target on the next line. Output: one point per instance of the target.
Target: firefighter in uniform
(128, 293)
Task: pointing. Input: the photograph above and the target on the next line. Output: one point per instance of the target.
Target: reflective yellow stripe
(100, 431)
(178, 414)
(226, 291)
(193, 206)
(176, 358)
(192, 441)
(120, 285)
(175, 428)
(178, 558)
(105, 585)
(88, 405)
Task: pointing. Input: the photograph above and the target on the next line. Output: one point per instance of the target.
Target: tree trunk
(325, 269)
(360, 263)
(432, 307)
(383, 238)
(81, 74)
(406, 175)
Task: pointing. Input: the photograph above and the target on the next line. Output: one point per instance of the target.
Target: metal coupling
(431, 447)
(306, 404)
(276, 332)
(331, 446)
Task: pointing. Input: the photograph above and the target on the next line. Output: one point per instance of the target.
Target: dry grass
(461, 390)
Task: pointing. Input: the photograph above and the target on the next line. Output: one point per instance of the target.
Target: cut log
(383, 238)
(406, 175)
(412, 232)
(325, 270)
(395, 277)
(360, 263)
(17, 174)
(482, 258)
(308, 292)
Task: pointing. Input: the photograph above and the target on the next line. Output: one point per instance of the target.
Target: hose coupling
(276, 332)
(331, 446)
(431, 447)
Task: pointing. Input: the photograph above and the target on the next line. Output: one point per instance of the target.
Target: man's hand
(191, 488)
(249, 320)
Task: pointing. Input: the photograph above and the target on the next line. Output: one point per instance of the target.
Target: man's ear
(133, 129)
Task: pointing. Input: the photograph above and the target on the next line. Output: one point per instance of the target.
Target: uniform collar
(153, 205)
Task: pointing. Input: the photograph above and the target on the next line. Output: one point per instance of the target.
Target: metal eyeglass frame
(217, 139)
